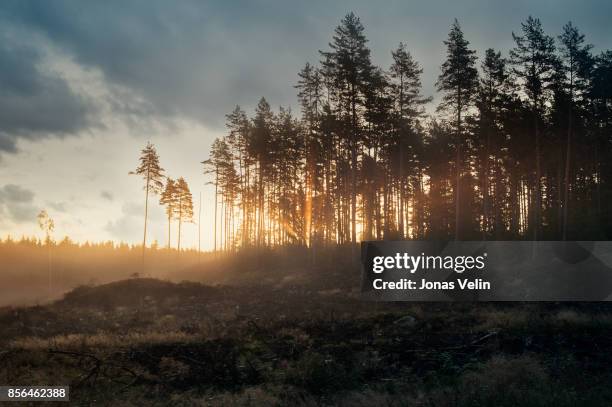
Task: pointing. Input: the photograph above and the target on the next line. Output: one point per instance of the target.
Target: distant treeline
(519, 147)
(34, 270)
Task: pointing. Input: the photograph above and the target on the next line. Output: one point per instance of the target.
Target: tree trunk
(458, 167)
(144, 238)
(216, 204)
(567, 165)
(169, 223)
(180, 219)
(354, 174)
(538, 186)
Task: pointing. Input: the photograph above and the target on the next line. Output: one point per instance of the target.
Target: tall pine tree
(168, 198)
(534, 63)
(184, 206)
(349, 63)
(577, 65)
(152, 173)
(458, 80)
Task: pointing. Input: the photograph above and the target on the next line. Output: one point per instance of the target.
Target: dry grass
(496, 319)
(102, 340)
(240, 346)
(572, 317)
(501, 381)
(515, 318)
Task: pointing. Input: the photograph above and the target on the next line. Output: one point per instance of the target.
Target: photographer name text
(413, 264)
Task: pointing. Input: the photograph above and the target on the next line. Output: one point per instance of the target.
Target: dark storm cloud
(198, 59)
(16, 203)
(34, 103)
(188, 58)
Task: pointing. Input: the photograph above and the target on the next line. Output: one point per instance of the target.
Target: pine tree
(362, 158)
(212, 166)
(168, 198)
(600, 96)
(47, 225)
(184, 206)
(458, 80)
(310, 94)
(534, 64)
(577, 64)
(310, 88)
(238, 140)
(152, 173)
(349, 64)
(492, 97)
(405, 89)
(260, 148)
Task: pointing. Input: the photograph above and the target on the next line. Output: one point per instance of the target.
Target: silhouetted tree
(600, 96)
(577, 64)
(47, 225)
(310, 95)
(458, 80)
(348, 62)
(405, 90)
(152, 173)
(534, 65)
(490, 139)
(238, 140)
(184, 206)
(364, 161)
(168, 198)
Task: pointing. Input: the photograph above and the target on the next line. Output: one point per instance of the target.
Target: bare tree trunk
(538, 186)
(354, 171)
(486, 188)
(180, 219)
(49, 264)
(144, 238)
(169, 223)
(567, 167)
(401, 192)
(216, 204)
(458, 167)
(199, 229)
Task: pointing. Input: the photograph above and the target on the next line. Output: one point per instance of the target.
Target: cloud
(58, 206)
(133, 209)
(16, 204)
(188, 59)
(197, 60)
(124, 228)
(107, 195)
(12, 193)
(129, 225)
(35, 102)
(22, 213)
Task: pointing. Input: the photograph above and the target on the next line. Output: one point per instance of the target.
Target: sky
(85, 85)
